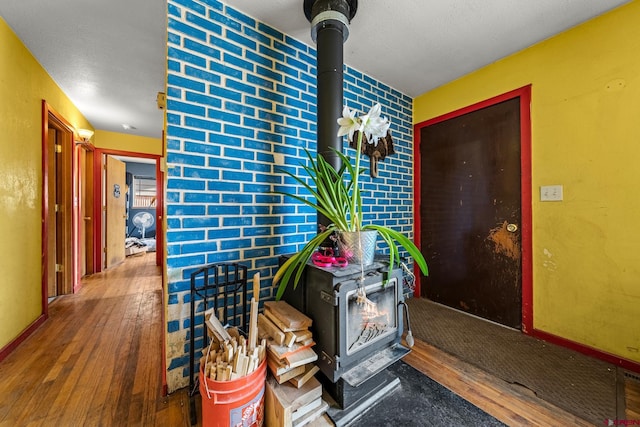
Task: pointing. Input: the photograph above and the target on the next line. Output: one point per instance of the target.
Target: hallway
(97, 359)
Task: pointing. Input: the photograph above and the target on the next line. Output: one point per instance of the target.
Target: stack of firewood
(232, 358)
(289, 341)
(293, 396)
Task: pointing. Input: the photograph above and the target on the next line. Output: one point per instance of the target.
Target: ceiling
(109, 56)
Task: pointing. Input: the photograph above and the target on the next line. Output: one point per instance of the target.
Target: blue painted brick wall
(240, 106)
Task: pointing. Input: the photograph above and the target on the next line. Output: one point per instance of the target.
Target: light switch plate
(551, 193)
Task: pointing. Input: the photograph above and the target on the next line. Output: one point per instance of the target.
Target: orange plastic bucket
(235, 403)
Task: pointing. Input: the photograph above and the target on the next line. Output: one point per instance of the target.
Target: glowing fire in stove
(374, 322)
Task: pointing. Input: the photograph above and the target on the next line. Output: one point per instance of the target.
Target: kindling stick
(253, 317)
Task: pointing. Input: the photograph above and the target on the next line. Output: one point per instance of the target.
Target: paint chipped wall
(585, 136)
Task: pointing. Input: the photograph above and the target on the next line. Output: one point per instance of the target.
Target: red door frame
(97, 202)
(70, 145)
(81, 147)
(524, 93)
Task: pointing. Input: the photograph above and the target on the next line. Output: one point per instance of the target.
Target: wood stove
(356, 340)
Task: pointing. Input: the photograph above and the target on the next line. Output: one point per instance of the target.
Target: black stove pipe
(330, 93)
(329, 29)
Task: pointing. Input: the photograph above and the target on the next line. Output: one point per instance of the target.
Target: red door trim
(627, 364)
(159, 214)
(7, 349)
(525, 189)
(45, 206)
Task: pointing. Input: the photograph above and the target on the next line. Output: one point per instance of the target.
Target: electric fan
(143, 220)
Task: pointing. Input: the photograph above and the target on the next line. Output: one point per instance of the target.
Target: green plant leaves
(297, 262)
(338, 199)
(329, 189)
(389, 235)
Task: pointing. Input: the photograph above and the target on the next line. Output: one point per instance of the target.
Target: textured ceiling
(109, 55)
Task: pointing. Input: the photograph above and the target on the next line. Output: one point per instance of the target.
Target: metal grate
(223, 287)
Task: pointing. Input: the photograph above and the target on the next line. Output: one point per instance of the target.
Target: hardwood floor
(97, 362)
(632, 397)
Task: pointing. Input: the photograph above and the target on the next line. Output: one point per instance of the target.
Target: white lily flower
(374, 126)
(371, 124)
(375, 111)
(365, 124)
(349, 124)
(378, 129)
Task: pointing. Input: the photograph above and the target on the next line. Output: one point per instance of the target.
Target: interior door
(59, 255)
(85, 166)
(115, 196)
(52, 194)
(470, 180)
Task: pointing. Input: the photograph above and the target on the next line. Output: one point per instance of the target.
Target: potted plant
(337, 196)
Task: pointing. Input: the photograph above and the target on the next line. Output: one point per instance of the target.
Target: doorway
(57, 225)
(473, 186)
(86, 219)
(115, 214)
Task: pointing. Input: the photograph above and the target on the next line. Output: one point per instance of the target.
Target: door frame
(99, 165)
(85, 191)
(51, 118)
(524, 93)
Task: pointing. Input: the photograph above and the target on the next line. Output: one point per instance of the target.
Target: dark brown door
(471, 212)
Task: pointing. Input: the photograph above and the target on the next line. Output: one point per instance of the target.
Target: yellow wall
(586, 136)
(126, 142)
(23, 86)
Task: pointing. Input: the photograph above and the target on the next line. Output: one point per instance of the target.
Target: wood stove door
(471, 209)
(371, 319)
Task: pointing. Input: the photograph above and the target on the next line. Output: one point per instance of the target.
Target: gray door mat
(579, 384)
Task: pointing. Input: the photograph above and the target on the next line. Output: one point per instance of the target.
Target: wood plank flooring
(632, 398)
(97, 362)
